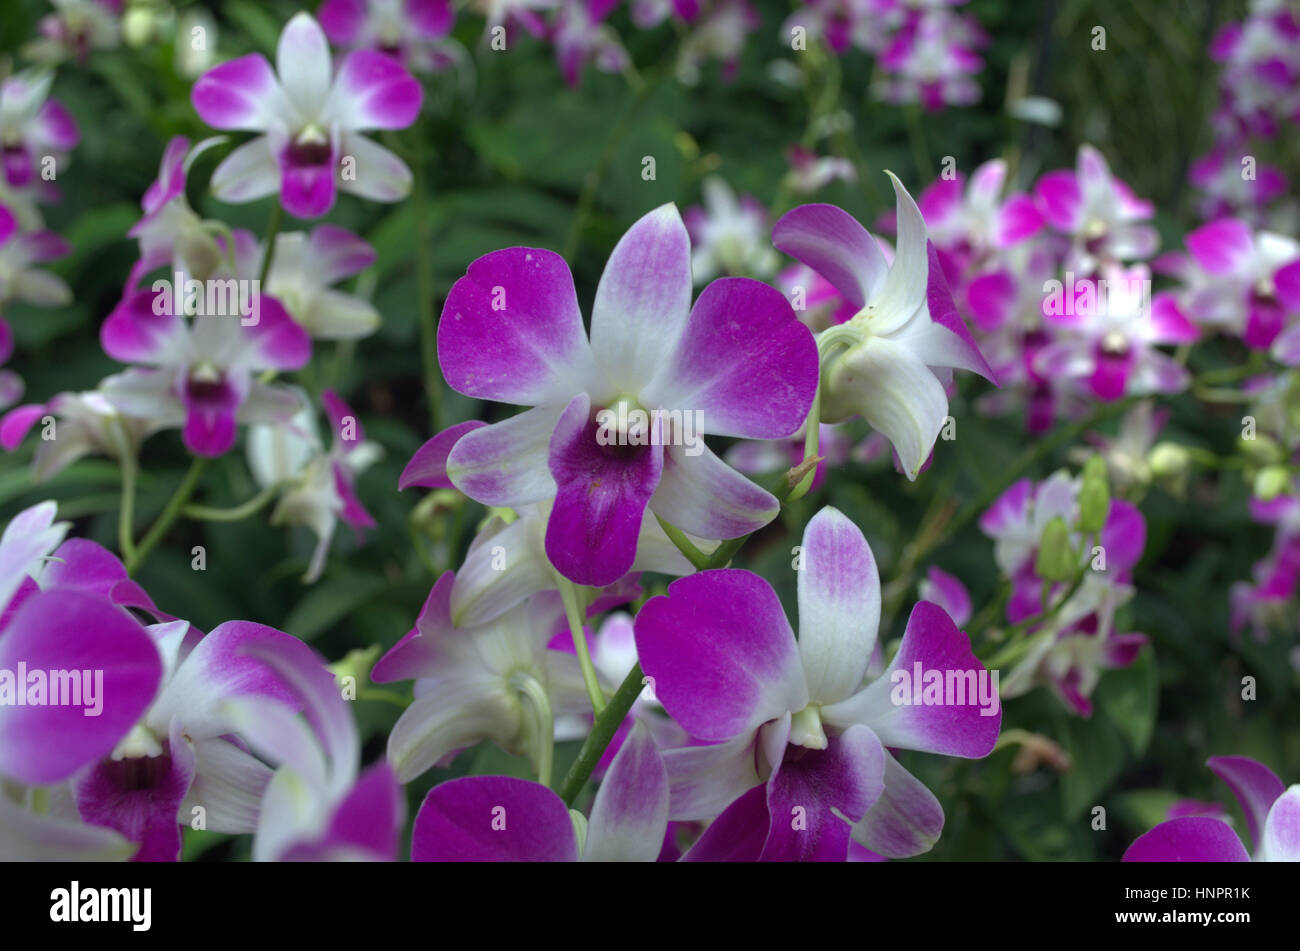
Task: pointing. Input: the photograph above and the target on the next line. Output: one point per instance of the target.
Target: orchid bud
(1057, 560)
(1094, 497)
(1261, 450)
(1270, 482)
(1170, 464)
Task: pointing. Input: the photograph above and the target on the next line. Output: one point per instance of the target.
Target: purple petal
(948, 592)
(832, 242)
(602, 494)
(1223, 248)
(493, 819)
(237, 94)
(506, 463)
(511, 330)
(906, 820)
(1255, 786)
(962, 719)
(1192, 839)
(428, 467)
(744, 361)
(419, 653)
(721, 653)
(140, 797)
(1061, 200)
(738, 834)
(815, 796)
(71, 631)
(374, 91)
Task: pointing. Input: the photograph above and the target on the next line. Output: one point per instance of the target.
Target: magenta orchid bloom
(1098, 212)
(411, 31)
(792, 739)
(1253, 285)
(947, 591)
(303, 268)
(647, 14)
(581, 37)
(33, 127)
(511, 331)
(170, 232)
(892, 360)
(199, 373)
(1228, 191)
(76, 28)
(842, 24)
(1107, 335)
(933, 60)
(20, 278)
(968, 222)
(502, 819)
(310, 120)
(1272, 814)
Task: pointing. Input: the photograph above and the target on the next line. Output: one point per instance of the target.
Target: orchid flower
(76, 28)
(1253, 284)
(719, 34)
(795, 743)
(514, 13)
(511, 331)
(83, 424)
(932, 60)
(302, 269)
(170, 232)
(500, 818)
(810, 172)
(199, 373)
(310, 122)
(581, 36)
(186, 758)
(1229, 191)
(64, 614)
(20, 279)
(414, 32)
(496, 681)
(1098, 212)
(947, 591)
(842, 24)
(318, 487)
(33, 127)
(1272, 814)
(890, 362)
(969, 222)
(1107, 336)
(315, 806)
(728, 235)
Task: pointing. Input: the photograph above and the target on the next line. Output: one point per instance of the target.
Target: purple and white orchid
(787, 732)
(738, 362)
(310, 120)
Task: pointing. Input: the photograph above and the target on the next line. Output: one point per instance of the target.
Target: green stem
(675, 535)
(126, 514)
(811, 442)
(602, 732)
(168, 516)
(272, 230)
(916, 138)
(205, 514)
(573, 611)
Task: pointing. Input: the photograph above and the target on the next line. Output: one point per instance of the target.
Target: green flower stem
(811, 442)
(168, 516)
(573, 611)
(602, 732)
(126, 513)
(237, 513)
(696, 557)
(272, 229)
(541, 719)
